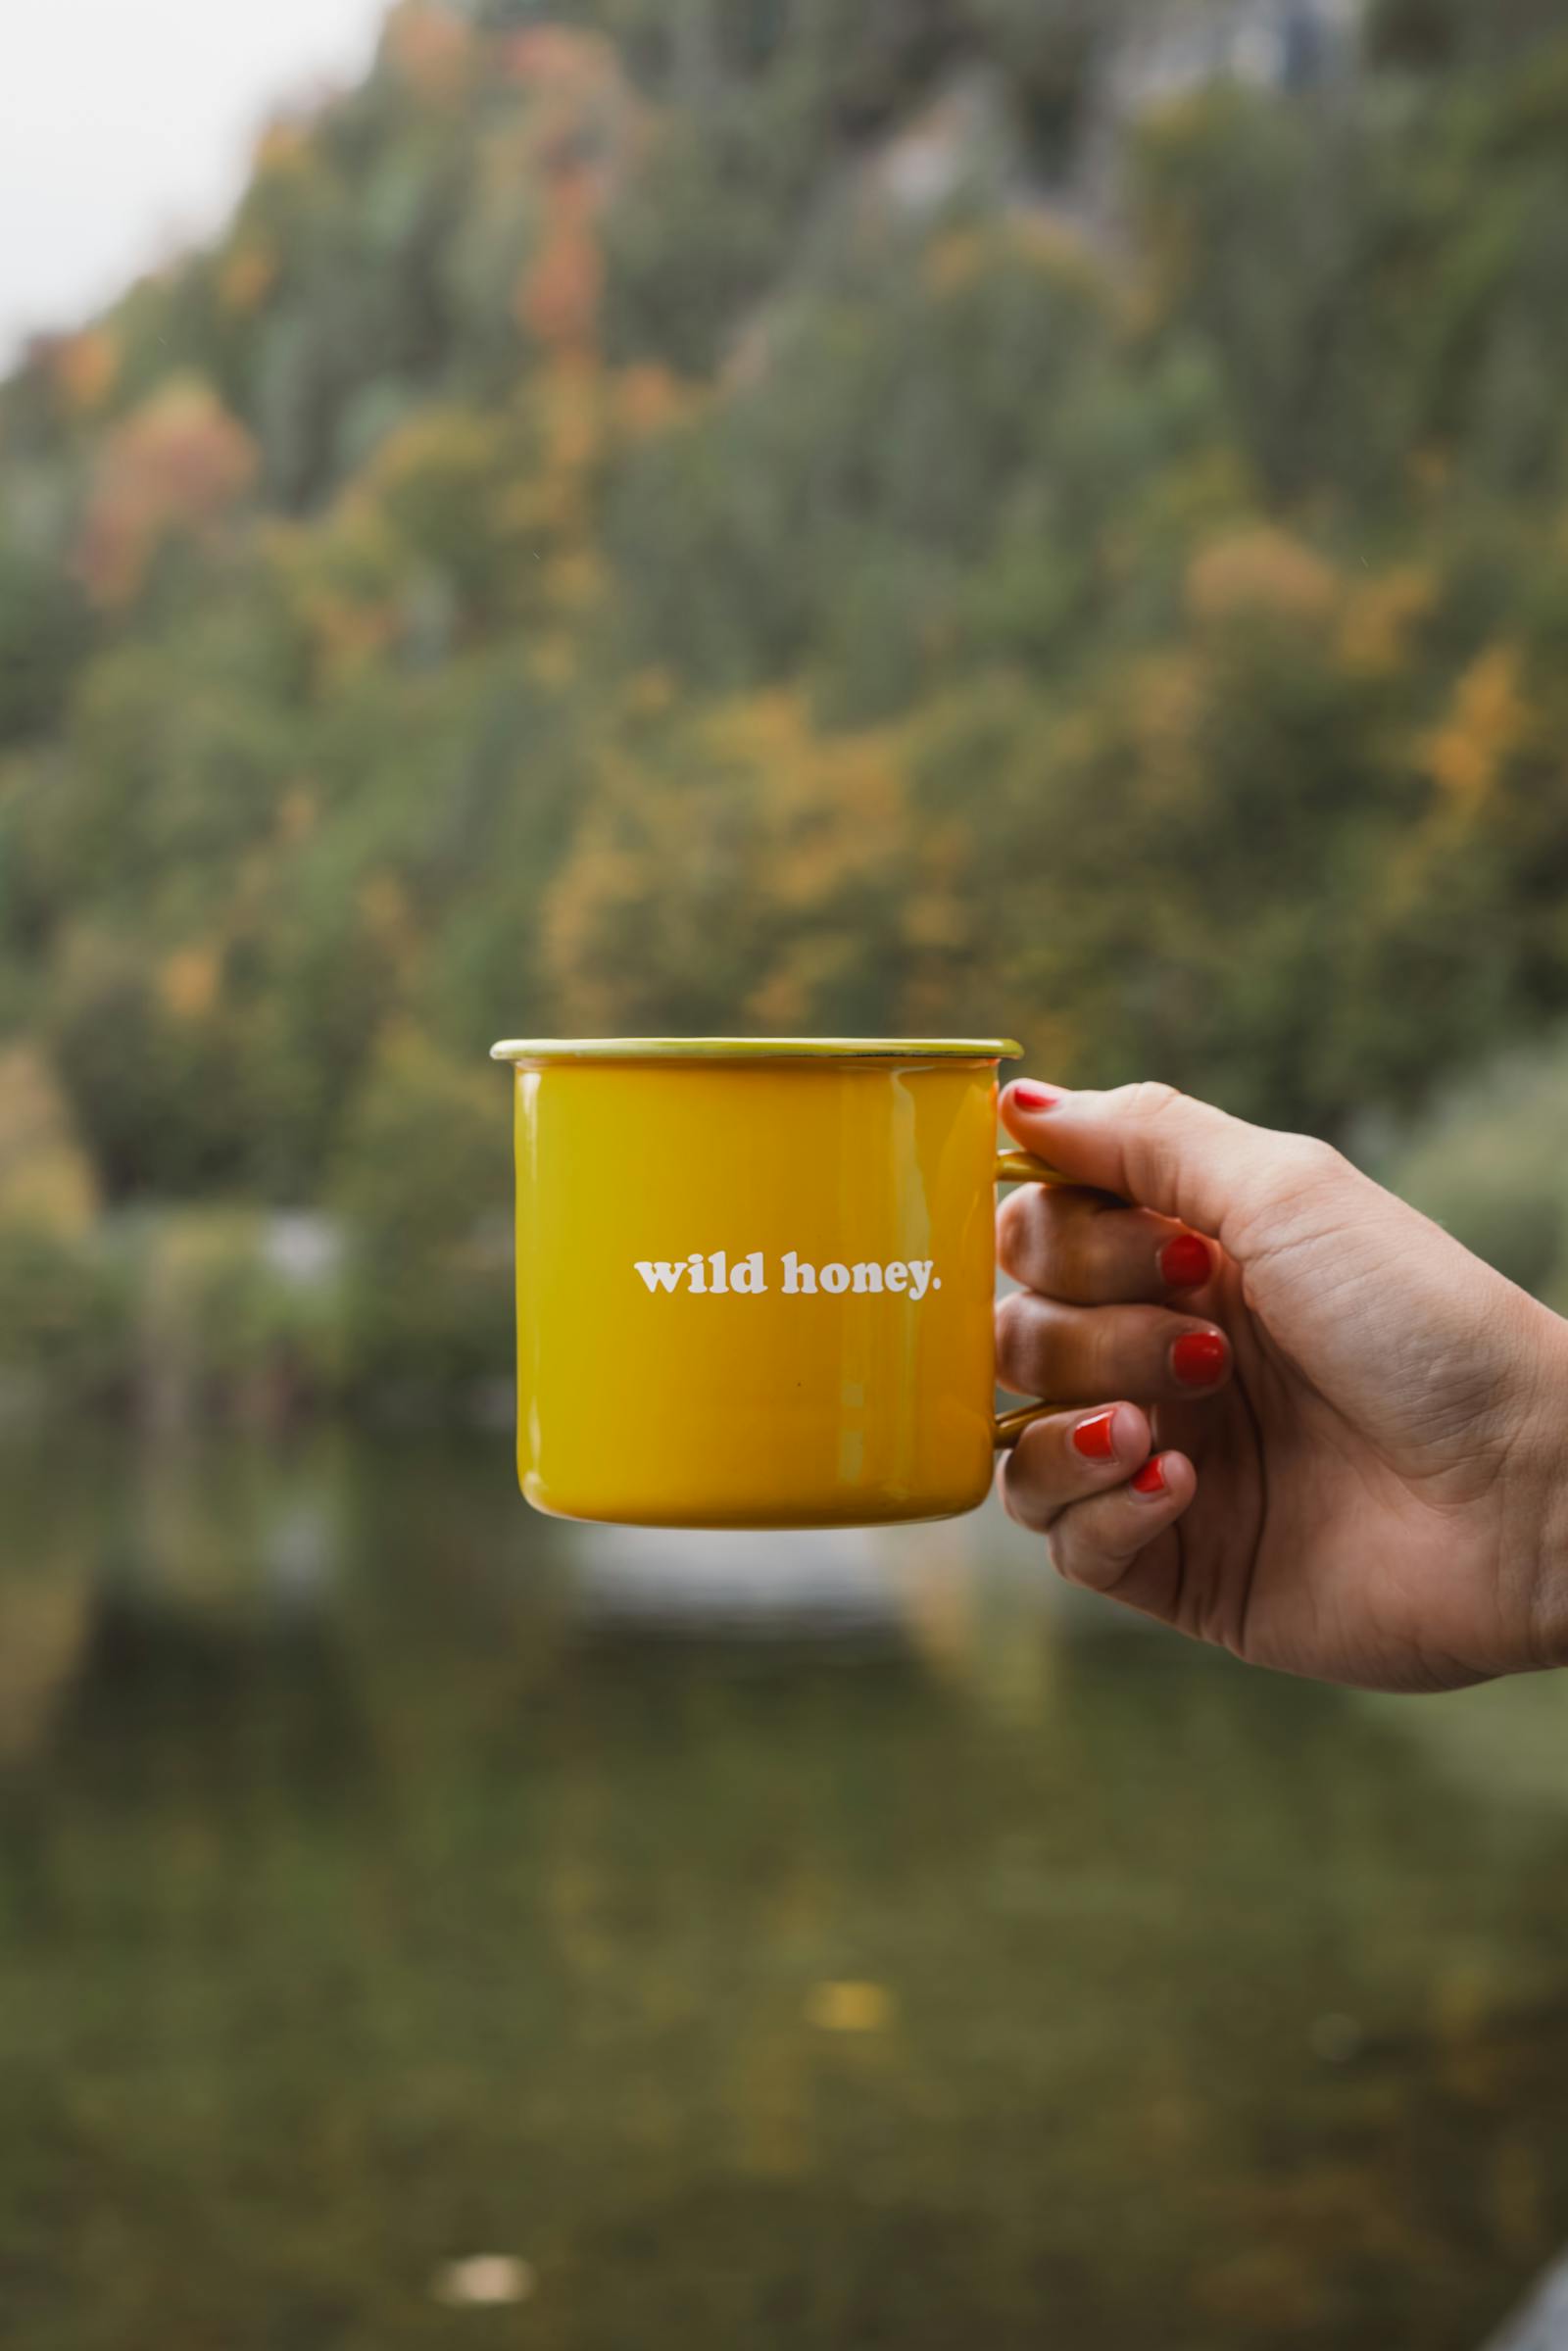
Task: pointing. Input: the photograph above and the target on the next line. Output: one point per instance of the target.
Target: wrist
(1534, 1551)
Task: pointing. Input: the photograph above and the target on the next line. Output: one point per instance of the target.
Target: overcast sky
(125, 126)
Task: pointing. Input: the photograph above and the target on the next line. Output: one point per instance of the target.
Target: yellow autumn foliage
(87, 368)
(246, 275)
(649, 399)
(282, 150)
(46, 1179)
(188, 982)
(1381, 619)
(772, 844)
(849, 2007)
(1054, 249)
(1486, 720)
(1261, 573)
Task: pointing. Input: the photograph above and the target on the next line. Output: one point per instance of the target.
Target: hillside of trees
(692, 518)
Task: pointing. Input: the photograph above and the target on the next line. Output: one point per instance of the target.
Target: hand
(1343, 1453)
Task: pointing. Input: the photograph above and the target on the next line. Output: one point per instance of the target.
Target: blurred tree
(783, 852)
(173, 470)
(1445, 34)
(421, 1178)
(43, 637)
(676, 516)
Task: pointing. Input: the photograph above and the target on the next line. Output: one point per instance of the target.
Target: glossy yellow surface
(662, 1405)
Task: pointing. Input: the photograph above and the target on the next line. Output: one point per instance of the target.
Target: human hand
(1341, 1448)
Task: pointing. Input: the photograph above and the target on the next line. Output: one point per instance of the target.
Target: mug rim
(540, 1051)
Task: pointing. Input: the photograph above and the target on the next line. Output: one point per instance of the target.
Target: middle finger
(1082, 1355)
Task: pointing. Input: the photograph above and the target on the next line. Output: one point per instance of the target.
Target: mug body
(755, 1282)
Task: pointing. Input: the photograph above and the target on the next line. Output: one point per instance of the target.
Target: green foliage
(43, 636)
(1430, 35)
(63, 1323)
(431, 1303)
(677, 517)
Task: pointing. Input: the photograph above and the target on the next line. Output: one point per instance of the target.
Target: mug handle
(1022, 1167)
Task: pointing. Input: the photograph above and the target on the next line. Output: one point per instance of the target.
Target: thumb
(1160, 1150)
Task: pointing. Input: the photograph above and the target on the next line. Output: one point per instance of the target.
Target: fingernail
(1198, 1358)
(1030, 1097)
(1095, 1437)
(1186, 1262)
(1151, 1479)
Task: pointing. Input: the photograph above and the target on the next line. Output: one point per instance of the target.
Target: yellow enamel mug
(754, 1278)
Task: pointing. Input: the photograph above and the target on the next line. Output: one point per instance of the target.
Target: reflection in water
(829, 1585)
(833, 1942)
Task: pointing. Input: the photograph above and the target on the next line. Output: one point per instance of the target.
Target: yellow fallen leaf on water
(482, 2281)
(849, 2007)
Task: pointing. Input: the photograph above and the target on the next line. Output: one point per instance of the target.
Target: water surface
(838, 1943)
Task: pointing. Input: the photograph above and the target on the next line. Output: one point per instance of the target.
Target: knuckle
(1016, 1498)
(1021, 1344)
(1009, 1314)
(1150, 1110)
(1020, 1232)
(1148, 1100)
(1311, 1153)
(1083, 1550)
(1306, 1163)
(1076, 1557)
(1058, 1549)
(1026, 1486)
(1100, 1347)
(1294, 1192)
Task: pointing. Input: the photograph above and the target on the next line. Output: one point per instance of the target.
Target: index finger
(1162, 1150)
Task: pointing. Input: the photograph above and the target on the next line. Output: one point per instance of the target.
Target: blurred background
(1034, 517)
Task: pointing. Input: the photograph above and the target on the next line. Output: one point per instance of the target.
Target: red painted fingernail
(1151, 1479)
(1095, 1437)
(1198, 1358)
(1186, 1262)
(1030, 1097)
